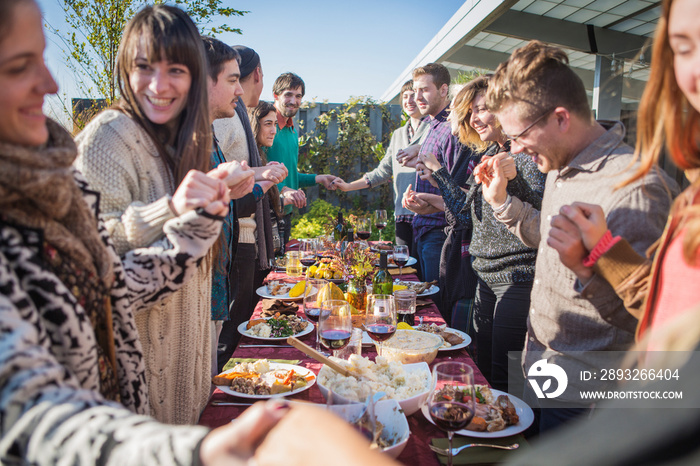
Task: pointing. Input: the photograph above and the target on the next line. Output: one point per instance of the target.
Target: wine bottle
(339, 230)
(382, 282)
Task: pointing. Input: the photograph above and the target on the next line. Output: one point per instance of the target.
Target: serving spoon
(456, 451)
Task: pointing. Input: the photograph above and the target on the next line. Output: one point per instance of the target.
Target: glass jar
(357, 294)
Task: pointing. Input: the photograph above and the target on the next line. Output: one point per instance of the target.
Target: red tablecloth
(422, 431)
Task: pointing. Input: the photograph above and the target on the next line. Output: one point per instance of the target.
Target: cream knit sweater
(120, 161)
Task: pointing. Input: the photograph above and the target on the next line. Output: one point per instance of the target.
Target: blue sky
(340, 49)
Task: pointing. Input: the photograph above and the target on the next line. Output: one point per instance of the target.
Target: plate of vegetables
(276, 328)
(263, 379)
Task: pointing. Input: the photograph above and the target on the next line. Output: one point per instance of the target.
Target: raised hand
(589, 219)
(484, 171)
(565, 238)
(199, 190)
(238, 176)
(494, 185)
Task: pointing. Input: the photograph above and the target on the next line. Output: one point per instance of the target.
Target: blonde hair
(462, 110)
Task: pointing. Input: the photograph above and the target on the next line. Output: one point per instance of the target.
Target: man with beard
(288, 91)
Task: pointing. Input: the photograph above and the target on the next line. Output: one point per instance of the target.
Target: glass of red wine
(380, 318)
(307, 252)
(380, 221)
(364, 228)
(335, 324)
(401, 256)
(312, 308)
(451, 402)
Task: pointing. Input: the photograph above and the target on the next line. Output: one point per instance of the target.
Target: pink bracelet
(603, 246)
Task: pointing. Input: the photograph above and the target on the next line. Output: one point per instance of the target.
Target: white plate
(275, 366)
(466, 339)
(265, 293)
(430, 291)
(523, 411)
(243, 331)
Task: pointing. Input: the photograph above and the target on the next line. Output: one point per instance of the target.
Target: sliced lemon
(399, 287)
(403, 326)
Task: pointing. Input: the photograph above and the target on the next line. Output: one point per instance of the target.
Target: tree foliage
(91, 41)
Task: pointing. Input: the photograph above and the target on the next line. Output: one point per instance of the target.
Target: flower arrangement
(357, 262)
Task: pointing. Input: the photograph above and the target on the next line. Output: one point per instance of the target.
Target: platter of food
(454, 339)
(421, 288)
(498, 414)
(263, 379)
(276, 328)
(279, 289)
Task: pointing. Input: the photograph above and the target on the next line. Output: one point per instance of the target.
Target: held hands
(199, 190)
(295, 197)
(327, 181)
(273, 171)
(590, 220)
(425, 174)
(339, 183)
(430, 162)
(238, 176)
(235, 443)
(494, 185)
(414, 202)
(408, 157)
(484, 171)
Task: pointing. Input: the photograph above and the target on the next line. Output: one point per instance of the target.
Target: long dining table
(417, 450)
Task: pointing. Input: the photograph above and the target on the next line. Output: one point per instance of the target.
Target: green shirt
(285, 149)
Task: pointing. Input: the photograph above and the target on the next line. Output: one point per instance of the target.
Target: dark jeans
(246, 277)
(500, 324)
(404, 236)
(428, 249)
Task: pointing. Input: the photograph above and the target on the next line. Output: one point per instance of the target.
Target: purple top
(441, 142)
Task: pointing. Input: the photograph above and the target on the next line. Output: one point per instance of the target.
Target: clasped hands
(214, 190)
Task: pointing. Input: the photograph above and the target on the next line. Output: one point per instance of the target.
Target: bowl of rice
(411, 346)
(409, 384)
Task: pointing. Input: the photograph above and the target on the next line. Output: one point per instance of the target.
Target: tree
(96, 28)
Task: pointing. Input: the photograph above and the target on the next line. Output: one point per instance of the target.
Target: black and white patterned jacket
(50, 408)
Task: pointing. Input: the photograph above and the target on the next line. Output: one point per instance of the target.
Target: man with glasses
(543, 108)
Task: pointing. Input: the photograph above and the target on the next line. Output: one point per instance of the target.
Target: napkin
(406, 271)
(233, 361)
(480, 455)
(272, 306)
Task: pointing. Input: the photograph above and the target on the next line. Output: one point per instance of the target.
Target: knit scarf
(266, 248)
(38, 190)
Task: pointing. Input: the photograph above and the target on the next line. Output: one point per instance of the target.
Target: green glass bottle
(382, 282)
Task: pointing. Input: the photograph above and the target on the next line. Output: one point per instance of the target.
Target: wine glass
(401, 256)
(380, 221)
(380, 318)
(312, 308)
(364, 228)
(451, 401)
(335, 324)
(307, 251)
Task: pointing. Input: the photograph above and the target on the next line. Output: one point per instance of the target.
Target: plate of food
(276, 328)
(421, 288)
(263, 379)
(376, 246)
(498, 414)
(280, 289)
(454, 339)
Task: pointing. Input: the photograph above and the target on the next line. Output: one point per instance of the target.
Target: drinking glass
(406, 306)
(312, 309)
(380, 318)
(307, 251)
(359, 414)
(451, 401)
(380, 221)
(335, 324)
(364, 228)
(401, 256)
(293, 267)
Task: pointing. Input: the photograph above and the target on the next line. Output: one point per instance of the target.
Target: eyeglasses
(528, 127)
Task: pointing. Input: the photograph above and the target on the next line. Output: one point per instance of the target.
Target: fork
(456, 451)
